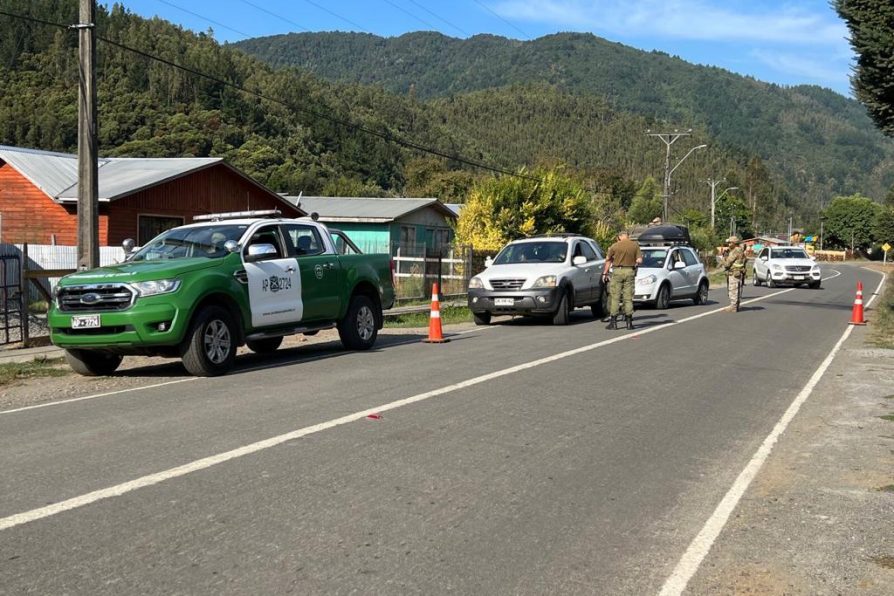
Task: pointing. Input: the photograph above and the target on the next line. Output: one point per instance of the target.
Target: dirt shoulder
(819, 517)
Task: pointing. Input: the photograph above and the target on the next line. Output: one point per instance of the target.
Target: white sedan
(778, 265)
(670, 273)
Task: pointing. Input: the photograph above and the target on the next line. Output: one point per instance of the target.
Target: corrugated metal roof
(50, 172)
(366, 209)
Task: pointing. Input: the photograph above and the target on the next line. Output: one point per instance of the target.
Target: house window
(441, 238)
(150, 226)
(407, 236)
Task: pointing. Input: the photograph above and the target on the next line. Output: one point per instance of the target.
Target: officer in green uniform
(623, 257)
(734, 265)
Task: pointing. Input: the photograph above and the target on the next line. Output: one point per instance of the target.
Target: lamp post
(713, 184)
(667, 179)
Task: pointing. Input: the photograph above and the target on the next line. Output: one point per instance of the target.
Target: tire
(264, 346)
(481, 318)
(563, 312)
(92, 363)
(755, 280)
(600, 309)
(701, 296)
(816, 285)
(770, 282)
(209, 349)
(358, 330)
(662, 300)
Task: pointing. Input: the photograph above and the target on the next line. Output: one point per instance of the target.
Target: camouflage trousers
(734, 283)
(621, 288)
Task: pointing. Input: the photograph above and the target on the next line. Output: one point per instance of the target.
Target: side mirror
(765, 258)
(260, 252)
(231, 246)
(679, 265)
(579, 260)
(128, 245)
(488, 261)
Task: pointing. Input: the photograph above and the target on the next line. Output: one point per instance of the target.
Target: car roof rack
(238, 215)
(665, 235)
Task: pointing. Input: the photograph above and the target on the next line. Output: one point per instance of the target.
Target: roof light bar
(238, 215)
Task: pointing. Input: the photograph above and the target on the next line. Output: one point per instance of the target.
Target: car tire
(209, 349)
(815, 285)
(481, 318)
(755, 280)
(770, 282)
(662, 300)
(358, 330)
(563, 312)
(701, 296)
(92, 363)
(264, 346)
(600, 309)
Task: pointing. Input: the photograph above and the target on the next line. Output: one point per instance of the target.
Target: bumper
(788, 277)
(645, 293)
(516, 302)
(134, 328)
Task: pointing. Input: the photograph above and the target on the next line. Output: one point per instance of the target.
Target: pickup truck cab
(199, 291)
(543, 276)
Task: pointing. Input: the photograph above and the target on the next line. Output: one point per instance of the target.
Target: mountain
(817, 142)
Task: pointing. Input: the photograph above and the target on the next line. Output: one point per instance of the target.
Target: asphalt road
(589, 473)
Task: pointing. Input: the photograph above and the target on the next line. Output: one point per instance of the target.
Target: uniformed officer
(623, 257)
(734, 265)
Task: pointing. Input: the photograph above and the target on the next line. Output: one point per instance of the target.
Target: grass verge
(449, 315)
(883, 323)
(17, 371)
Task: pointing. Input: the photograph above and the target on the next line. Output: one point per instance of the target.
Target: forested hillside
(817, 141)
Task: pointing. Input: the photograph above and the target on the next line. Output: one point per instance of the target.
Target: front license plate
(85, 322)
(799, 277)
(504, 301)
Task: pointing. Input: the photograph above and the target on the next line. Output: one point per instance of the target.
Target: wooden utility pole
(88, 169)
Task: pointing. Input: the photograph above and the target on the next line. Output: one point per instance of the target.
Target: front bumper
(128, 330)
(542, 301)
(792, 277)
(645, 292)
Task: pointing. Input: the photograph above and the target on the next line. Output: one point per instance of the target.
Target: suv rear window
(532, 252)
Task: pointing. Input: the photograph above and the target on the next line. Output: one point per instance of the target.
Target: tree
(851, 220)
(871, 23)
(646, 204)
(509, 207)
(883, 231)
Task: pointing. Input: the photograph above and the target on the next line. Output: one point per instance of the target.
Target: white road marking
(213, 460)
(704, 540)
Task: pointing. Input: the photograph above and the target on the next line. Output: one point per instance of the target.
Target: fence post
(24, 319)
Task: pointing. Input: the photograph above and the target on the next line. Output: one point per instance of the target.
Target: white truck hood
(793, 262)
(521, 270)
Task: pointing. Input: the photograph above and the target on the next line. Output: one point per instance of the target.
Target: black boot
(630, 321)
(612, 322)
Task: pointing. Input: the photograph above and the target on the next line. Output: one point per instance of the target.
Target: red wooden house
(138, 197)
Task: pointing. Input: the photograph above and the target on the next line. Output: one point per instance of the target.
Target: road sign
(886, 247)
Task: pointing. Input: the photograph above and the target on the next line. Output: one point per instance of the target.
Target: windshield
(789, 253)
(653, 259)
(532, 252)
(184, 243)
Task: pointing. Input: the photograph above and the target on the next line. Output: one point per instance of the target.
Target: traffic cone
(857, 314)
(435, 335)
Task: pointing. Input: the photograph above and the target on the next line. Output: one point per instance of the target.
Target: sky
(789, 42)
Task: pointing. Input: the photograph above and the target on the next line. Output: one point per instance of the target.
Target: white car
(778, 265)
(546, 276)
(670, 273)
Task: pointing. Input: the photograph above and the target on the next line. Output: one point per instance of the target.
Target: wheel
(755, 280)
(92, 363)
(209, 349)
(264, 346)
(358, 330)
(481, 318)
(563, 312)
(663, 299)
(815, 285)
(701, 297)
(600, 309)
(770, 282)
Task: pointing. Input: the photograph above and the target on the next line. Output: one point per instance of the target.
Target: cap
(732, 240)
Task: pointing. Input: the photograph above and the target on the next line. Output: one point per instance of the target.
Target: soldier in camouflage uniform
(734, 265)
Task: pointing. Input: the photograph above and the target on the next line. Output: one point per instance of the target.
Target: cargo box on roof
(664, 235)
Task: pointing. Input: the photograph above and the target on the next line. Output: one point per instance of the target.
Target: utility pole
(88, 169)
(669, 138)
(713, 184)
(790, 227)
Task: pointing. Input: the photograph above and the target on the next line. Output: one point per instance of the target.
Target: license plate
(799, 277)
(85, 322)
(504, 301)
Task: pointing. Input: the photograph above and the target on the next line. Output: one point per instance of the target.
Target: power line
(385, 135)
(411, 15)
(442, 19)
(488, 9)
(338, 16)
(273, 14)
(204, 18)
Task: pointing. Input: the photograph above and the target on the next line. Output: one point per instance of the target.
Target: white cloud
(805, 67)
(684, 19)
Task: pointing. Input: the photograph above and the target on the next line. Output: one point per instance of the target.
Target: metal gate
(11, 304)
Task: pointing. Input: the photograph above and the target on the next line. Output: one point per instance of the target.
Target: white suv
(545, 276)
(670, 273)
(777, 265)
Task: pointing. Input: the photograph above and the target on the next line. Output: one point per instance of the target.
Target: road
(518, 458)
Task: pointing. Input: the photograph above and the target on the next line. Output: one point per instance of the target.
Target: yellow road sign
(886, 247)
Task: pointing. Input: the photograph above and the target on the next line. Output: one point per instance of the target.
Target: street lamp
(713, 184)
(667, 178)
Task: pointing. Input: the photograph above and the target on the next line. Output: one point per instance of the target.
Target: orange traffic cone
(435, 335)
(857, 314)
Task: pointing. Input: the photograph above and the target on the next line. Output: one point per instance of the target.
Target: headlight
(776, 267)
(547, 281)
(153, 288)
(647, 280)
(476, 284)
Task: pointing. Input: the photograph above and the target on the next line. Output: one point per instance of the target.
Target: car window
(654, 258)
(789, 253)
(765, 252)
(533, 252)
(597, 249)
(587, 251)
(689, 258)
(304, 241)
(266, 235)
(676, 257)
(343, 244)
(188, 242)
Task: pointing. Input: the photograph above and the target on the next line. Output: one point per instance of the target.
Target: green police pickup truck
(199, 291)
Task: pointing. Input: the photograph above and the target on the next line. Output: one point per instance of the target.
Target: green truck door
(321, 273)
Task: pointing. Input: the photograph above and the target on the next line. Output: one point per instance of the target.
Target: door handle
(290, 269)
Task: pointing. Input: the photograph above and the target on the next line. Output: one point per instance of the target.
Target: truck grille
(507, 284)
(798, 268)
(95, 297)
